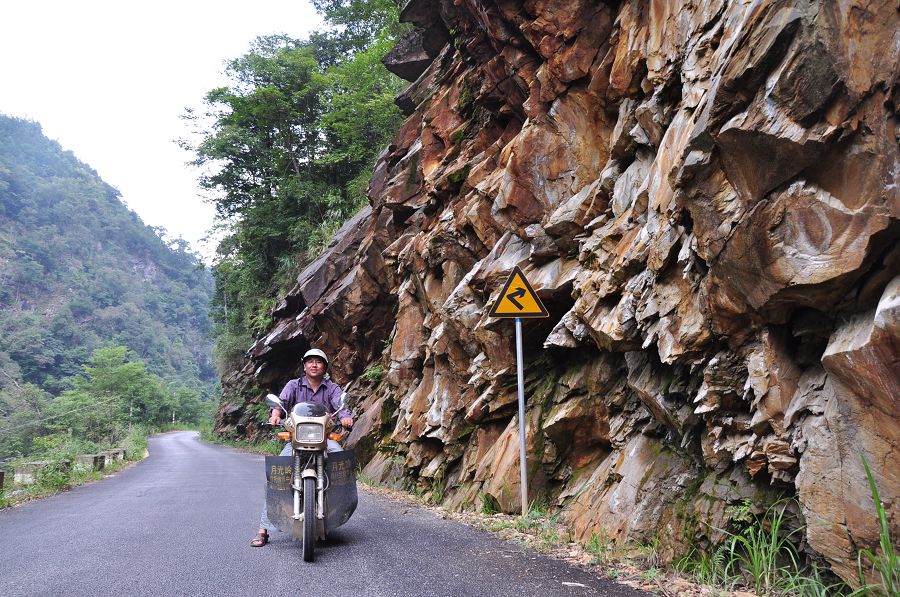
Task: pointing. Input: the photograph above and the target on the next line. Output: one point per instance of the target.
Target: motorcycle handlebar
(266, 426)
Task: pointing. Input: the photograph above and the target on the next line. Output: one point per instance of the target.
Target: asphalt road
(180, 522)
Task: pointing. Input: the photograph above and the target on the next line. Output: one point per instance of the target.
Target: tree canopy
(287, 149)
(113, 391)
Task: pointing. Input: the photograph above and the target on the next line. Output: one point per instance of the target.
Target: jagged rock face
(704, 195)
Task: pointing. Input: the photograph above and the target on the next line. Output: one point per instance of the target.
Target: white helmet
(315, 352)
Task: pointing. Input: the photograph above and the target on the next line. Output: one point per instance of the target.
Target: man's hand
(275, 419)
(347, 422)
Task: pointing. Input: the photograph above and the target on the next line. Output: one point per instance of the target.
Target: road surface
(180, 522)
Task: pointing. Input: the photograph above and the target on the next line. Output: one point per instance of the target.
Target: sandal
(260, 540)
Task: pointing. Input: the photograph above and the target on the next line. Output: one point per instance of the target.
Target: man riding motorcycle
(312, 387)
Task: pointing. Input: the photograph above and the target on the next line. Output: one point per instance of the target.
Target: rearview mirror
(273, 401)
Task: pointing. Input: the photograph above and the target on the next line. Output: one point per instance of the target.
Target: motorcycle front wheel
(309, 519)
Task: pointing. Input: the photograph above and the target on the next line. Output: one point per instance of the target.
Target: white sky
(109, 79)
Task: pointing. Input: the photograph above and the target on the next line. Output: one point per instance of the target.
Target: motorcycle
(312, 491)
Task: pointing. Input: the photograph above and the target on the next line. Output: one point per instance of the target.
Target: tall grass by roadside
(712, 567)
(59, 473)
(762, 556)
(764, 553)
(759, 555)
(135, 443)
(883, 565)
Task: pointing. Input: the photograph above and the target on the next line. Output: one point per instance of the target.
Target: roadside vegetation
(760, 554)
(59, 473)
(114, 403)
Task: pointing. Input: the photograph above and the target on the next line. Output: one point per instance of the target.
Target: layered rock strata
(705, 196)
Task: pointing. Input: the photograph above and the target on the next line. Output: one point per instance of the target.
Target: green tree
(291, 146)
(190, 408)
(358, 22)
(22, 407)
(114, 391)
(81, 414)
(360, 116)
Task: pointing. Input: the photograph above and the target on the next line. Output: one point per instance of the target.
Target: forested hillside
(79, 271)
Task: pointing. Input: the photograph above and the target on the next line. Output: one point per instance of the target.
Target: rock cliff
(705, 196)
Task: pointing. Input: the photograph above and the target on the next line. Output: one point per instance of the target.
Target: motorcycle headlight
(310, 433)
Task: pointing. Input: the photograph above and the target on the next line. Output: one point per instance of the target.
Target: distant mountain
(78, 270)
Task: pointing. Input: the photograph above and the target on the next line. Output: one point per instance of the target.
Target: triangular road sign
(518, 298)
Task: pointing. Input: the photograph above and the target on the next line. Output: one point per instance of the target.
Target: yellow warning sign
(518, 298)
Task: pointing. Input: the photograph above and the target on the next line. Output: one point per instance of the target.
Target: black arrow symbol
(512, 296)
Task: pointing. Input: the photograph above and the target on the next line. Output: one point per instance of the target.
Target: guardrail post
(25, 473)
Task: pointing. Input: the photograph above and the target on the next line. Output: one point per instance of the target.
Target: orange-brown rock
(705, 196)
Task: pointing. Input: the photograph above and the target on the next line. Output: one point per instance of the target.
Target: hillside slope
(78, 270)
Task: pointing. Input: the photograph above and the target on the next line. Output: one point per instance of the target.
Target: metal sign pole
(517, 300)
(523, 479)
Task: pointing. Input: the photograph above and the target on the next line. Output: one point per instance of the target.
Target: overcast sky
(108, 80)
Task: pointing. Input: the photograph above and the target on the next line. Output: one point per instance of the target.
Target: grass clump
(533, 517)
(550, 537)
(882, 565)
(438, 488)
(55, 475)
(601, 548)
(711, 567)
(761, 555)
(374, 372)
(135, 443)
(489, 504)
(764, 554)
(650, 574)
